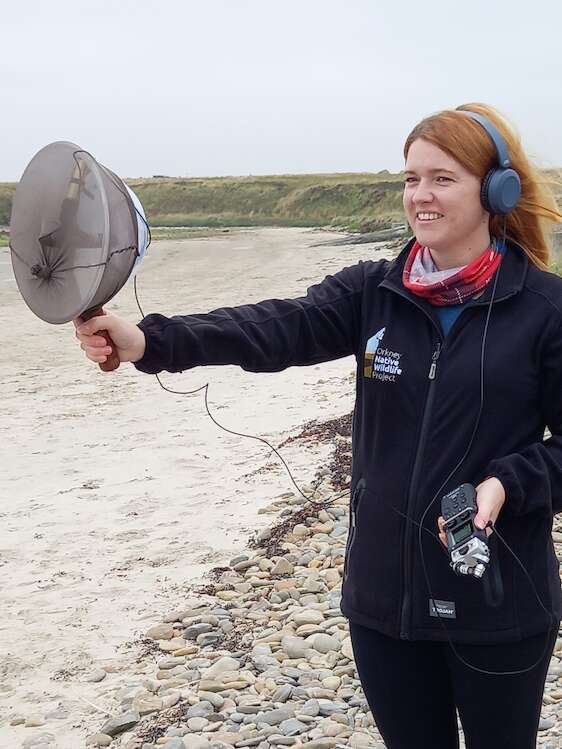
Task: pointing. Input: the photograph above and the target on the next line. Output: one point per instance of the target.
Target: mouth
(426, 217)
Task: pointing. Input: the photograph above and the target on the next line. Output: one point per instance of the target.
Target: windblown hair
(530, 224)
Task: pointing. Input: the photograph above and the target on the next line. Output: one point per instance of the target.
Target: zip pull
(355, 497)
(434, 357)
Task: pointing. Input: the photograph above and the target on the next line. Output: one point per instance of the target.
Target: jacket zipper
(351, 539)
(406, 601)
(405, 613)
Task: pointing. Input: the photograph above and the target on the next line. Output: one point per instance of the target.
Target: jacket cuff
(147, 363)
(514, 498)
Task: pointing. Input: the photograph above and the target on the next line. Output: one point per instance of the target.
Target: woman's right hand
(128, 338)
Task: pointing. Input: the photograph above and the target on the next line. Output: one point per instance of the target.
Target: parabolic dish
(73, 233)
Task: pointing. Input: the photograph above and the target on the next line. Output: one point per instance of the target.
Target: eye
(413, 179)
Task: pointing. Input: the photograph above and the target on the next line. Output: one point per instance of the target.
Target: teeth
(429, 216)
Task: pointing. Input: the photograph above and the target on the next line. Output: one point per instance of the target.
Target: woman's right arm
(265, 337)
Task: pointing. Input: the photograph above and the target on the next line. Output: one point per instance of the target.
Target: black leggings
(415, 688)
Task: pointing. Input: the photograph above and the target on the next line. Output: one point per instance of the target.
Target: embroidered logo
(380, 363)
(444, 609)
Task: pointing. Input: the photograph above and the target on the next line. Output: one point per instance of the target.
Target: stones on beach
(193, 632)
(220, 666)
(160, 632)
(95, 676)
(347, 648)
(308, 616)
(147, 704)
(294, 647)
(120, 723)
(34, 721)
(282, 567)
(172, 645)
(99, 739)
(263, 658)
(325, 643)
(274, 717)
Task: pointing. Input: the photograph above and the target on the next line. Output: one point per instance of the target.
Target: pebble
(99, 739)
(308, 616)
(147, 704)
(274, 717)
(347, 648)
(171, 662)
(174, 743)
(34, 721)
(197, 724)
(200, 710)
(169, 646)
(546, 723)
(119, 724)
(160, 632)
(282, 694)
(96, 676)
(216, 700)
(294, 647)
(221, 665)
(311, 707)
(325, 643)
(283, 567)
(292, 727)
(169, 700)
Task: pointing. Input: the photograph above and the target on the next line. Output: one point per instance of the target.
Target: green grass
(354, 202)
(4, 239)
(7, 190)
(283, 200)
(181, 232)
(338, 200)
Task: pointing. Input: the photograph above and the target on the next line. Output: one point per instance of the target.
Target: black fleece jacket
(417, 400)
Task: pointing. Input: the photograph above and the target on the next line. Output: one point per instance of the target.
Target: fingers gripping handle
(112, 361)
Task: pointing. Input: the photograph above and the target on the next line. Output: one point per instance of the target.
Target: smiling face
(442, 204)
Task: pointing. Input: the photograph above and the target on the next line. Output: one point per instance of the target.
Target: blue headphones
(501, 187)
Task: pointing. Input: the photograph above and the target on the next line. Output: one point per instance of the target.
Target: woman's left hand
(490, 497)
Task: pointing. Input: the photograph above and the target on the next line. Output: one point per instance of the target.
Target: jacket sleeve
(532, 477)
(265, 337)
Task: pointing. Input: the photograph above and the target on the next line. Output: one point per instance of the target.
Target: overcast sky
(215, 87)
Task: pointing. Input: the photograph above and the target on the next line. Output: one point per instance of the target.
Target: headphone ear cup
(484, 187)
(500, 191)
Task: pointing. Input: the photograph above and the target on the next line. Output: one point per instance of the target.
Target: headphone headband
(498, 141)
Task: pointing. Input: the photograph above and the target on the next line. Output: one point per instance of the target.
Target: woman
(416, 326)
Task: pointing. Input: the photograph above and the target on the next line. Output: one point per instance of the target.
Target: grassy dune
(344, 200)
(355, 202)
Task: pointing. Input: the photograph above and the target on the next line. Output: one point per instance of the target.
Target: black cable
(420, 525)
(327, 503)
(420, 543)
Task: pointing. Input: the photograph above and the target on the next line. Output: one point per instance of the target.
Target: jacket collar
(512, 273)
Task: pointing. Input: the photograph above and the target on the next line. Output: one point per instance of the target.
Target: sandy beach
(117, 495)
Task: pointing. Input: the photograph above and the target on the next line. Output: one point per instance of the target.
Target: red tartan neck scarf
(453, 285)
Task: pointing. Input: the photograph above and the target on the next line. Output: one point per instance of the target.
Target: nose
(422, 193)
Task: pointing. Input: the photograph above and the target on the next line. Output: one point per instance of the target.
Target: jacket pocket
(355, 499)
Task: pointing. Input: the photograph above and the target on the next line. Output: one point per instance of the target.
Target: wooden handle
(112, 361)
